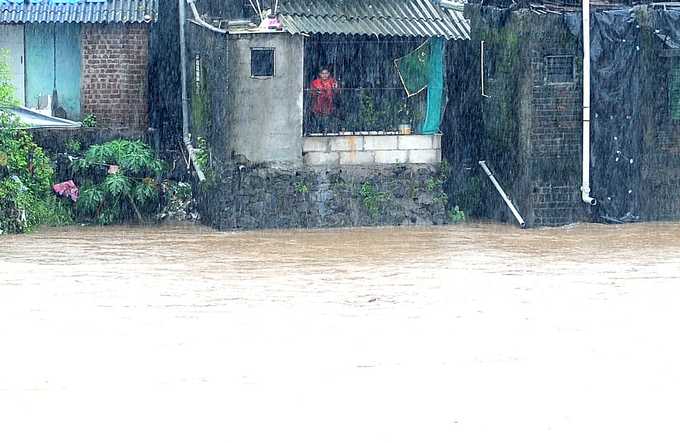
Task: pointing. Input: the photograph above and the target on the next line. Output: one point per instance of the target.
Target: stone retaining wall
(367, 150)
(255, 197)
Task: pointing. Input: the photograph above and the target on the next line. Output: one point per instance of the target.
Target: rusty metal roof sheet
(82, 11)
(402, 18)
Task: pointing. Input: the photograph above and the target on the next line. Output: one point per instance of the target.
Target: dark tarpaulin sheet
(667, 24)
(616, 127)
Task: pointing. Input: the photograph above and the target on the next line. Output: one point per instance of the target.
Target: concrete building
(260, 89)
(288, 150)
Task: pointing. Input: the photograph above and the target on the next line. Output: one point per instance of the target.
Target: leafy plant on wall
(7, 93)
(119, 182)
(26, 173)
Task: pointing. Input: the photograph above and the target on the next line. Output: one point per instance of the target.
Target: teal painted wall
(53, 61)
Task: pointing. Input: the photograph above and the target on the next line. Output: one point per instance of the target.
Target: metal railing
(355, 111)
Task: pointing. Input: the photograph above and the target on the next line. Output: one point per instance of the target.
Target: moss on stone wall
(253, 197)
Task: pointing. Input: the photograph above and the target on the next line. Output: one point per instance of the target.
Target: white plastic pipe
(585, 186)
(200, 21)
(186, 136)
(505, 197)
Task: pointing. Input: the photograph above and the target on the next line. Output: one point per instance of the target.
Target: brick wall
(555, 136)
(115, 64)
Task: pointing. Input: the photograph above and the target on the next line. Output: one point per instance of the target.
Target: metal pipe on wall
(186, 136)
(585, 186)
(503, 195)
(200, 21)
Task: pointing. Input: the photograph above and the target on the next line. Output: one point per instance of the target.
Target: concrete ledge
(391, 157)
(321, 159)
(427, 156)
(368, 150)
(357, 158)
(346, 143)
(381, 143)
(315, 144)
(409, 142)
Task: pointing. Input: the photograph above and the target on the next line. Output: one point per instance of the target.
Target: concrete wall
(265, 115)
(367, 150)
(114, 77)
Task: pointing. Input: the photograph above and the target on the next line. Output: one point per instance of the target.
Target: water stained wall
(530, 129)
(252, 196)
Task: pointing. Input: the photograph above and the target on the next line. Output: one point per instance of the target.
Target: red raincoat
(323, 92)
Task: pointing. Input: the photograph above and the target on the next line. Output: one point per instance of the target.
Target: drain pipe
(504, 196)
(186, 136)
(200, 21)
(585, 187)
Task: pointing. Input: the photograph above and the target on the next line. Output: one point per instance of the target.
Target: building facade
(81, 58)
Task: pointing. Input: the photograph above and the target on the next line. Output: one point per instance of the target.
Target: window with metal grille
(262, 62)
(674, 89)
(559, 69)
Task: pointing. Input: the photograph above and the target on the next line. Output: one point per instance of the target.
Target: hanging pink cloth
(67, 189)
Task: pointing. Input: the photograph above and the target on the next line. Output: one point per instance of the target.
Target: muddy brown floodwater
(469, 333)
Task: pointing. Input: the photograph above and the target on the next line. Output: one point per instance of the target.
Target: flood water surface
(471, 333)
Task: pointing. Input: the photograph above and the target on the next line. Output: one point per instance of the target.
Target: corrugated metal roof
(402, 18)
(109, 11)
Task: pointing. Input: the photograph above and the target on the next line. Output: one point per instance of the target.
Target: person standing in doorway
(323, 89)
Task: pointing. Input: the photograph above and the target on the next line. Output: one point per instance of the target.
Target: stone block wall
(258, 197)
(114, 77)
(368, 150)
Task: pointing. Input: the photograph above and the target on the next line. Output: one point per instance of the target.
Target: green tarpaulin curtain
(423, 69)
(413, 69)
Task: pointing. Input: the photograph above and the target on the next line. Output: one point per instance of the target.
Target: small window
(559, 69)
(261, 62)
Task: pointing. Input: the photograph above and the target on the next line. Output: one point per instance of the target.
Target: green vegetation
(373, 200)
(202, 152)
(73, 146)
(89, 121)
(455, 215)
(7, 97)
(435, 184)
(119, 181)
(301, 187)
(470, 197)
(26, 173)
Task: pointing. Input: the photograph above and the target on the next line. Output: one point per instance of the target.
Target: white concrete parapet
(366, 150)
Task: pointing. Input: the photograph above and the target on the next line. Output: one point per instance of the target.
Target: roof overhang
(379, 18)
(78, 11)
(32, 120)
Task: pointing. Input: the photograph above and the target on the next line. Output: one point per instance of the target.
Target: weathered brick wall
(114, 86)
(531, 130)
(555, 136)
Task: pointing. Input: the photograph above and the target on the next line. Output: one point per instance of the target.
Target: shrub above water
(118, 181)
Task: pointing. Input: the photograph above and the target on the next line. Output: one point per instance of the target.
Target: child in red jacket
(323, 89)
